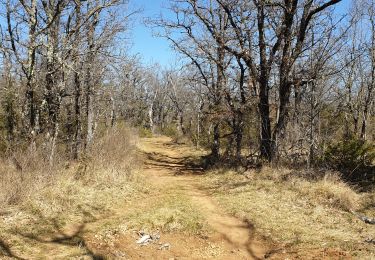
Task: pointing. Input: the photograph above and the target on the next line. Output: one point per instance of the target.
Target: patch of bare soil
(167, 167)
(231, 237)
(168, 170)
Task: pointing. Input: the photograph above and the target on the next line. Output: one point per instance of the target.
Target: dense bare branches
(257, 81)
(59, 51)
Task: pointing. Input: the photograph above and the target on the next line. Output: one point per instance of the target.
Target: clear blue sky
(153, 49)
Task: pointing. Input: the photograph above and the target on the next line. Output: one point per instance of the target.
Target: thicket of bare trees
(280, 81)
(260, 81)
(56, 58)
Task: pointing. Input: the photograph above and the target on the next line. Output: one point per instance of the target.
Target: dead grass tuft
(330, 191)
(173, 213)
(25, 174)
(298, 212)
(320, 189)
(38, 203)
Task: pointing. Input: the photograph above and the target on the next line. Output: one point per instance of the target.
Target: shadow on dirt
(226, 161)
(55, 235)
(250, 239)
(5, 251)
(76, 239)
(181, 165)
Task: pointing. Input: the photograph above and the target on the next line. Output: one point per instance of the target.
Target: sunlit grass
(171, 213)
(295, 212)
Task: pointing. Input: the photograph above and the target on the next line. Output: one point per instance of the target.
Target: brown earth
(168, 170)
(167, 166)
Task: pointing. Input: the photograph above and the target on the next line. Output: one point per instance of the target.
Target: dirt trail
(166, 166)
(168, 171)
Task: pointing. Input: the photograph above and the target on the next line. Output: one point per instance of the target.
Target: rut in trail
(166, 166)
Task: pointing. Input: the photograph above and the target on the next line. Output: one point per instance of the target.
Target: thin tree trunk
(77, 116)
(77, 85)
(151, 117)
(113, 112)
(216, 141)
(239, 135)
(90, 113)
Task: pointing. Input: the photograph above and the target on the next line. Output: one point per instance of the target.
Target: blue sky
(153, 49)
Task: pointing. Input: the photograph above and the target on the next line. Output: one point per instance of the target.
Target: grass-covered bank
(44, 210)
(305, 216)
(86, 208)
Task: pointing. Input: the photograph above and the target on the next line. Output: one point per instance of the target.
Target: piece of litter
(144, 239)
(165, 246)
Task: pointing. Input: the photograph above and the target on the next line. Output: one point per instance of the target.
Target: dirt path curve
(167, 167)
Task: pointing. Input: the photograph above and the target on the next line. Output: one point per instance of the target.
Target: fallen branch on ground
(365, 219)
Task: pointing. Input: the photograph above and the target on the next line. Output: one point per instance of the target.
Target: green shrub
(204, 140)
(170, 130)
(145, 132)
(354, 158)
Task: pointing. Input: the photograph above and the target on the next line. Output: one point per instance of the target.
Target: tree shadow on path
(75, 238)
(5, 251)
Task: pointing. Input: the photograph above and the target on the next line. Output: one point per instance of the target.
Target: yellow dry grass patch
(52, 215)
(295, 212)
(172, 213)
(148, 145)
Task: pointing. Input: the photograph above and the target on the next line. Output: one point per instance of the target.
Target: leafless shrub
(25, 174)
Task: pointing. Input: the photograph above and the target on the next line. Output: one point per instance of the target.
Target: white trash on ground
(146, 239)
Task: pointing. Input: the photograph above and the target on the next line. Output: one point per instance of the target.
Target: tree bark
(77, 142)
(89, 80)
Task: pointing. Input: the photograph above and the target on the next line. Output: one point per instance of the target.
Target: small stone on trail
(119, 254)
(155, 236)
(165, 246)
(146, 239)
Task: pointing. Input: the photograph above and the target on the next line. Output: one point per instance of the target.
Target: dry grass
(300, 213)
(172, 213)
(111, 161)
(39, 203)
(21, 175)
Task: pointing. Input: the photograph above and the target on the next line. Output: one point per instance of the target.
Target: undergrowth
(36, 204)
(171, 214)
(294, 210)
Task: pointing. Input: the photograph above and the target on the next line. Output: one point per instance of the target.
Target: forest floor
(195, 215)
(169, 168)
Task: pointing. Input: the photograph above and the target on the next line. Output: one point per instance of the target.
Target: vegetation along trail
(168, 166)
(187, 129)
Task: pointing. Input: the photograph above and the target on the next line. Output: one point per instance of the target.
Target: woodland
(281, 85)
(286, 82)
